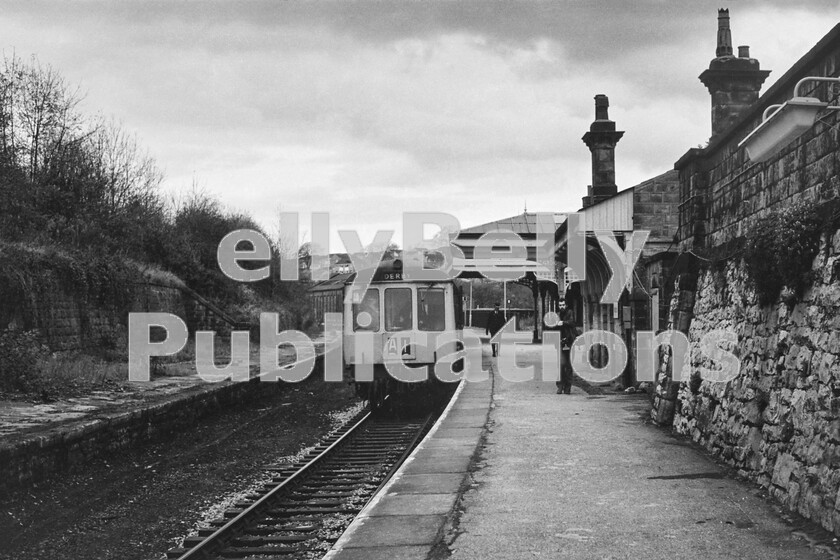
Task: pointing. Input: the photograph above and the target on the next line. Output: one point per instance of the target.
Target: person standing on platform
(495, 321)
(568, 333)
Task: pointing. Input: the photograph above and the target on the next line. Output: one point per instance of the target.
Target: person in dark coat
(568, 333)
(495, 321)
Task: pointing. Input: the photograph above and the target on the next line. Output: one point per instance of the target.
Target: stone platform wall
(69, 446)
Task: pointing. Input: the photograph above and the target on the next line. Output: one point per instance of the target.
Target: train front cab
(414, 322)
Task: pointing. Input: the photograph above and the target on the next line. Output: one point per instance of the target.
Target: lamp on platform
(781, 124)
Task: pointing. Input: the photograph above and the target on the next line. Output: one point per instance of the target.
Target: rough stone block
(785, 464)
(793, 495)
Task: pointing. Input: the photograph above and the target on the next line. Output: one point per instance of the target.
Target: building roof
(524, 223)
(336, 282)
(616, 213)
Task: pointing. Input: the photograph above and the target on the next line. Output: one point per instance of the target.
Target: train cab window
(431, 310)
(366, 313)
(398, 316)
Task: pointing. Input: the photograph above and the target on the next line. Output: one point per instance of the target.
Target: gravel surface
(139, 503)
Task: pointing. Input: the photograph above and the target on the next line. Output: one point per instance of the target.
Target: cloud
(368, 109)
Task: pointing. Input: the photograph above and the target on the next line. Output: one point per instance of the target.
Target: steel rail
(421, 433)
(222, 532)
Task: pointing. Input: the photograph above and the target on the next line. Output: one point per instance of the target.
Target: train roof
(387, 271)
(390, 270)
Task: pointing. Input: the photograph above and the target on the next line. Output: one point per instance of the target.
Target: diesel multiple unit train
(395, 324)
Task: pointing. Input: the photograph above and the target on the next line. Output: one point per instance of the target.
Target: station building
(651, 205)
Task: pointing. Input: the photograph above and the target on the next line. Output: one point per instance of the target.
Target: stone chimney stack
(601, 140)
(724, 39)
(733, 82)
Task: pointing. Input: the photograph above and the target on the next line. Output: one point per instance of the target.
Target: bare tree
(38, 117)
(126, 175)
(8, 83)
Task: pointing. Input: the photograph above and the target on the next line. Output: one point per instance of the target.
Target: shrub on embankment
(20, 352)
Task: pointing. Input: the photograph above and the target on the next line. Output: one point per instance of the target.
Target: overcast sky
(369, 109)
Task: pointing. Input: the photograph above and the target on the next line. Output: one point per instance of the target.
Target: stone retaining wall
(69, 320)
(778, 421)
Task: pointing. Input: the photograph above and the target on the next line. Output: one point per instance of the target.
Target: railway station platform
(516, 471)
(39, 439)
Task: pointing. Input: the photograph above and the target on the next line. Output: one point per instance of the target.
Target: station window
(431, 310)
(398, 316)
(366, 313)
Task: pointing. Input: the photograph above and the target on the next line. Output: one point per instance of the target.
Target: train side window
(398, 315)
(431, 310)
(366, 313)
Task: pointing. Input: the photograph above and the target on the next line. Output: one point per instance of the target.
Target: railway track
(306, 506)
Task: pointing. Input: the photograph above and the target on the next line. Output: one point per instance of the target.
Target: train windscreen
(398, 313)
(366, 313)
(431, 310)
